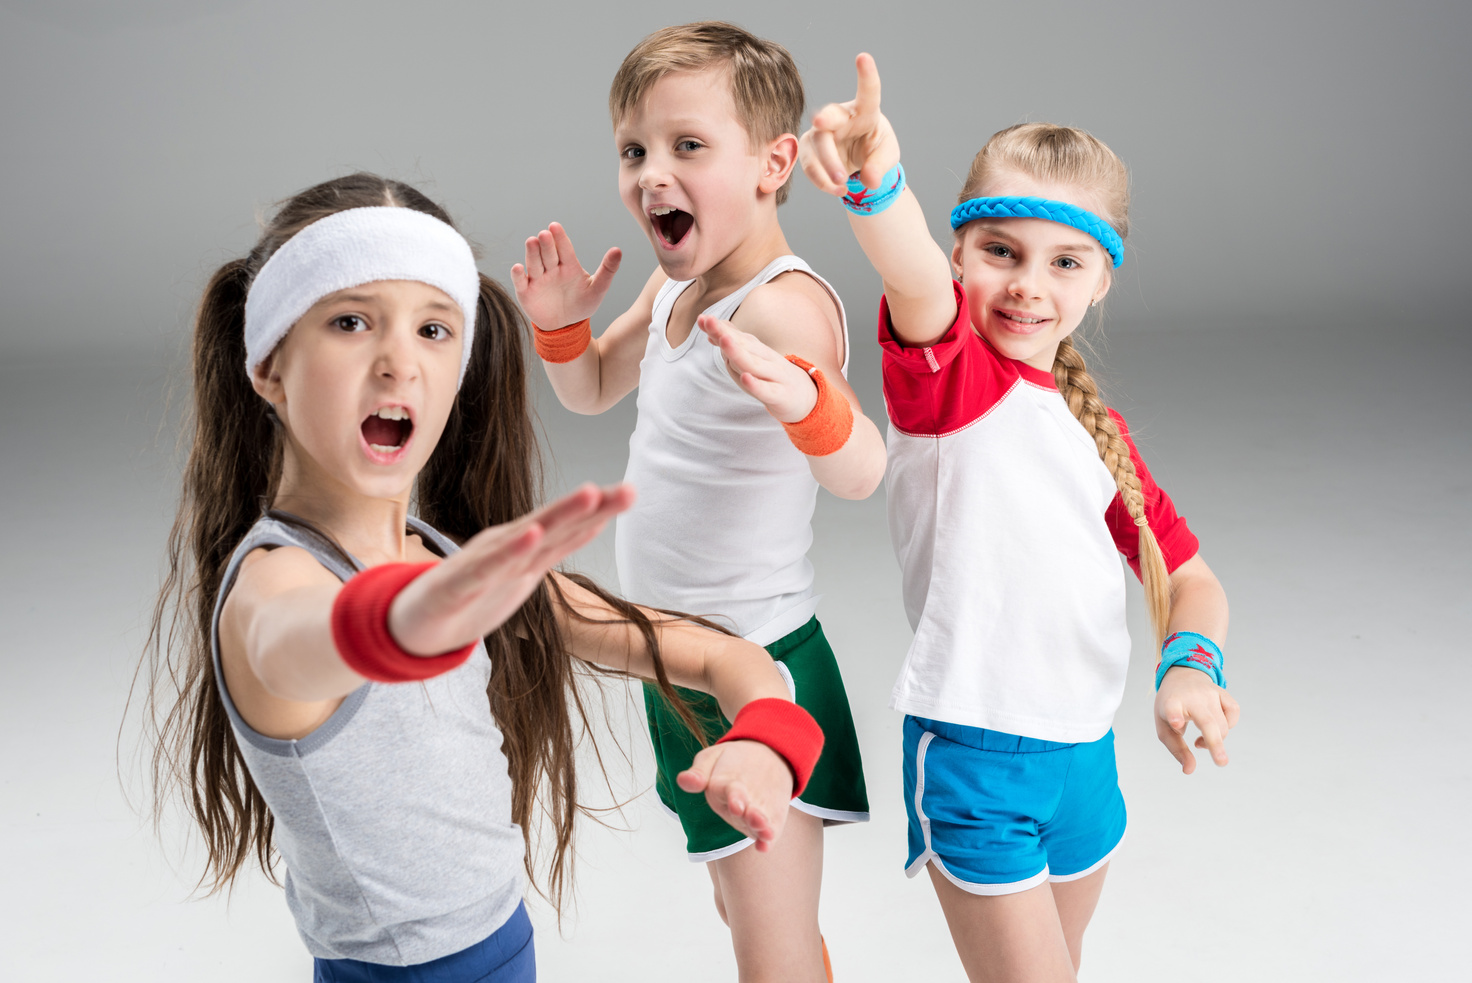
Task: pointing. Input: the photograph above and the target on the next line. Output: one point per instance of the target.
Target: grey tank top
(393, 817)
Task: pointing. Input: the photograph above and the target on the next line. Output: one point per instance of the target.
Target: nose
(395, 358)
(1026, 282)
(654, 175)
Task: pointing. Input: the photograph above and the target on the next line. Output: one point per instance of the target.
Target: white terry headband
(353, 247)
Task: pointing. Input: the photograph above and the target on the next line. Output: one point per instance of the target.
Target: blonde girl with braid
(1012, 490)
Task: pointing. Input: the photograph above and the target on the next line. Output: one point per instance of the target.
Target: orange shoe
(827, 963)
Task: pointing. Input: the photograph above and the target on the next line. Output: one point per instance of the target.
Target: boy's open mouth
(387, 429)
(671, 223)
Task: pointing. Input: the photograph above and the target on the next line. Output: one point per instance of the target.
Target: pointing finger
(867, 99)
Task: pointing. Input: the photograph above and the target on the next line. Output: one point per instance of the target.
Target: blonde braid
(1082, 395)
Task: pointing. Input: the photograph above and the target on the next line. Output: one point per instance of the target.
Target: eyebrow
(1072, 247)
(433, 305)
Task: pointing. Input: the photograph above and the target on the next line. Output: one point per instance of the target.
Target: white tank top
(723, 521)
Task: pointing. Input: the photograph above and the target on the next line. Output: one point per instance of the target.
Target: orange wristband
(828, 426)
(564, 344)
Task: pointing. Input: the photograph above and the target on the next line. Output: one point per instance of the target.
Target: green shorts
(835, 793)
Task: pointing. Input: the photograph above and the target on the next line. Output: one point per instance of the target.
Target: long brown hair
(484, 471)
(1068, 155)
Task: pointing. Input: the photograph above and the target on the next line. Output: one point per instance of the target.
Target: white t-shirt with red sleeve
(1008, 528)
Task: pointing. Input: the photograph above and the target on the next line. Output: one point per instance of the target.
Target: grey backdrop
(1287, 336)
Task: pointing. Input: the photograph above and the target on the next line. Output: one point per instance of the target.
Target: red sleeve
(1176, 540)
(938, 389)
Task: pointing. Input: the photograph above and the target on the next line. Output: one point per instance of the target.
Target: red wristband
(563, 344)
(787, 729)
(827, 427)
(360, 628)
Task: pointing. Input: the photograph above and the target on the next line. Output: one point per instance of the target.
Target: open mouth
(388, 429)
(671, 223)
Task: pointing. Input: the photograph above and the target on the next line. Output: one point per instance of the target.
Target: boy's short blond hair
(765, 83)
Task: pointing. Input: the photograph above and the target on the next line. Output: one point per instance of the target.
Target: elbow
(860, 486)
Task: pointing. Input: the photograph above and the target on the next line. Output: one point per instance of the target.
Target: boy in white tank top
(739, 353)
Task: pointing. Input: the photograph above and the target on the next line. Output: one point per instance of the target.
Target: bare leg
(1007, 938)
(1075, 901)
(770, 901)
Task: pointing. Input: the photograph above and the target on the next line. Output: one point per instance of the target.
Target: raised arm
(557, 292)
(855, 136)
(282, 663)
(746, 782)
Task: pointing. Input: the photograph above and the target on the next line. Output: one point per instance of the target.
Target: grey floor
(1327, 471)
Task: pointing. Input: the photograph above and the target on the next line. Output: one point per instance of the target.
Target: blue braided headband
(1013, 206)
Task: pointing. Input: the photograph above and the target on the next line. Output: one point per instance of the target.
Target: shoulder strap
(726, 307)
(664, 302)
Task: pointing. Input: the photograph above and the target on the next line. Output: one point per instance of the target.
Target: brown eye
(434, 332)
(349, 322)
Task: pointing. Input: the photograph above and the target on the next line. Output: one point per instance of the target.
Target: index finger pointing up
(867, 99)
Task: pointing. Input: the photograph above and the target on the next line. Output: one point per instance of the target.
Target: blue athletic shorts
(998, 813)
(505, 956)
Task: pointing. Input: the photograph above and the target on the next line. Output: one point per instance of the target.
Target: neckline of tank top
(436, 541)
(674, 352)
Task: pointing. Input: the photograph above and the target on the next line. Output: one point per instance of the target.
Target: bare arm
(794, 315)
(855, 136)
(281, 664)
(556, 291)
(746, 783)
(727, 667)
(1198, 604)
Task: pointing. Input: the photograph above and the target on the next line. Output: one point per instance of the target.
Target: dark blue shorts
(505, 956)
(998, 813)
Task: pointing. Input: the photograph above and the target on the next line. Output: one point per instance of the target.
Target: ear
(266, 380)
(956, 251)
(780, 158)
(1105, 284)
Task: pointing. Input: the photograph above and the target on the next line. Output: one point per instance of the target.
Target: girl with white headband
(379, 697)
(1011, 487)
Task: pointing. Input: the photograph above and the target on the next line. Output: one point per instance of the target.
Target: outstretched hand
(850, 136)
(785, 390)
(747, 784)
(472, 592)
(552, 285)
(1190, 696)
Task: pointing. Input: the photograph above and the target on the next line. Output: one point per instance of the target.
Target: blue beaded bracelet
(871, 201)
(1190, 648)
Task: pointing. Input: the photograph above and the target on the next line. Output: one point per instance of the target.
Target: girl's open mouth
(670, 223)
(387, 430)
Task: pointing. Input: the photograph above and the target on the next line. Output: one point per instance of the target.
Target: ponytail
(484, 471)
(234, 464)
(1081, 393)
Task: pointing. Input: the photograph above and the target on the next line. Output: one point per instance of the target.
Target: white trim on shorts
(1065, 878)
(928, 855)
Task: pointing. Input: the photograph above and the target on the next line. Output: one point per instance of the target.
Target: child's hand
(787, 392)
(474, 591)
(747, 784)
(850, 136)
(553, 287)
(1188, 694)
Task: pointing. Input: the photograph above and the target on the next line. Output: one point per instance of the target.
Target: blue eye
(688, 145)
(1068, 263)
(350, 322)
(631, 153)
(998, 250)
